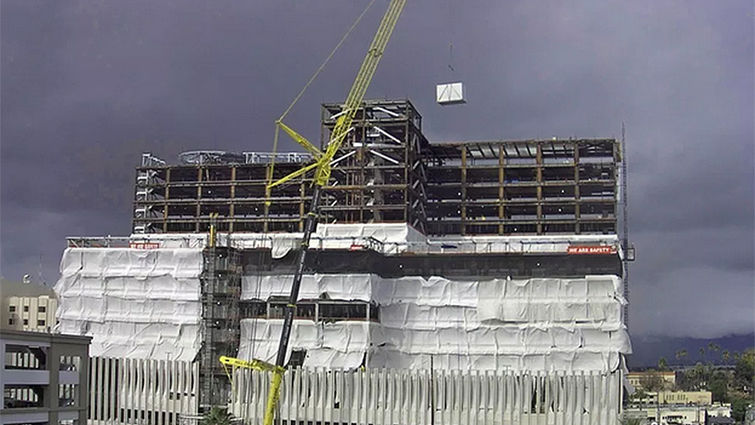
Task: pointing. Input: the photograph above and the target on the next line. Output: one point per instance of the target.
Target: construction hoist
(322, 168)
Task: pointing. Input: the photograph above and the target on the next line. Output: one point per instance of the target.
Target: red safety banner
(591, 250)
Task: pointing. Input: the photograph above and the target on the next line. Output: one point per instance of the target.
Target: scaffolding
(221, 289)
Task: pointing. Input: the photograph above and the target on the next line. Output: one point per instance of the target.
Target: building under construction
(470, 255)
(388, 172)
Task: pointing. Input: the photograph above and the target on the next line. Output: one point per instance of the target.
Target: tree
(695, 378)
(639, 396)
(702, 353)
(744, 372)
(680, 354)
(725, 356)
(739, 408)
(652, 381)
(719, 386)
(217, 416)
(663, 364)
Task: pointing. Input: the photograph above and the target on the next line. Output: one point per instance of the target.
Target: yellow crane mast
(322, 168)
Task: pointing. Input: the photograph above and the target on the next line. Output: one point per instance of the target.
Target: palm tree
(725, 356)
(662, 364)
(217, 416)
(702, 353)
(681, 354)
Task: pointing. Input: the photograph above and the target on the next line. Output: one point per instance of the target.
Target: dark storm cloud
(88, 85)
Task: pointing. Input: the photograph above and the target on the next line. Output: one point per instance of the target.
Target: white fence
(157, 392)
(141, 391)
(419, 397)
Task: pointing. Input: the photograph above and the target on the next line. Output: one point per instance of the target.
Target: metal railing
(353, 243)
(98, 242)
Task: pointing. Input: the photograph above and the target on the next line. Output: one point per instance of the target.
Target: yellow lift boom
(322, 168)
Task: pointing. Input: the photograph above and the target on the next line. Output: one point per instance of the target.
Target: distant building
(720, 420)
(637, 379)
(44, 378)
(702, 398)
(680, 414)
(750, 415)
(27, 306)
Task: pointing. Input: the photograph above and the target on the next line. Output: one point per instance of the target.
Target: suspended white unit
(450, 93)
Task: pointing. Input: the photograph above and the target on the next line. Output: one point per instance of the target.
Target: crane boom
(359, 88)
(322, 167)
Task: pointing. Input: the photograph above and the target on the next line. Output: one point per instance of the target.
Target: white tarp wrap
(386, 238)
(336, 286)
(342, 343)
(392, 238)
(146, 303)
(522, 324)
(132, 302)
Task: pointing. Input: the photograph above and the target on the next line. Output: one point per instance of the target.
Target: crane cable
(451, 38)
(301, 93)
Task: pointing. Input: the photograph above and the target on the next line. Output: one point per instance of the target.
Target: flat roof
(44, 336)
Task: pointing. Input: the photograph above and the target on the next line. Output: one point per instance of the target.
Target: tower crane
(321, 167)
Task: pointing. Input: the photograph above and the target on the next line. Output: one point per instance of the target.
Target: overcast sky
(89, 85)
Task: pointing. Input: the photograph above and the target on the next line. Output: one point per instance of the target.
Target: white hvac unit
(450, 93)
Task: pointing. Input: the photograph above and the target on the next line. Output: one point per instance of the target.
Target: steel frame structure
(378, 174)
(386, 171)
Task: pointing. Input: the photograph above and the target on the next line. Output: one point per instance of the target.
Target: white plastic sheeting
(145, 303)
(134, 303)
(526, 244)
(521, 324)
(336, 286)
(347, 344)
(388, 239)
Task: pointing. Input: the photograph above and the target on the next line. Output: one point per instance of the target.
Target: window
(253, 309)
(297, 358)
(23, 396)
(40, 322)
(26, 322)
(42, 309)
(12, 309)
(11, 321)
(70, 363)
(68, 395)
(341, 311)
(304, 310)
(26, 308)
(25, 357)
